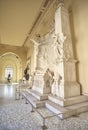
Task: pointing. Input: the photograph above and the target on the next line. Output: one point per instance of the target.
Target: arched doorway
(10, 63)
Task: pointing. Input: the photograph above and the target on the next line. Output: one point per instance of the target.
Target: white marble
(42, 81)
(17, 116)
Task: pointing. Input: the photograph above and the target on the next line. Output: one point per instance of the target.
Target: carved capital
(59, 3)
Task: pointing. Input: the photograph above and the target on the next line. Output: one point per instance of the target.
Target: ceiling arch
(11, 59)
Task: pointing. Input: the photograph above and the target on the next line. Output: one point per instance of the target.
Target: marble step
(79, 108)
(31, 99)
(37, 95)
(68, 101)
(65, 112)
(60, 111)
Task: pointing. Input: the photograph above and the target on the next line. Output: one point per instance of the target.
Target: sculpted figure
(36, 51)
(58, 44)
(48, 78)
(27, 72)
(31, 80)
(55, 86)
(9, 77)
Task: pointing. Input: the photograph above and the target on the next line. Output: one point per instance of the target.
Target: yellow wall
(79, 23)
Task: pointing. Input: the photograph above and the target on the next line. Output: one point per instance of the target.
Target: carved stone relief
(47, 78)
(58, 45)
(55, 85)
(54, 51)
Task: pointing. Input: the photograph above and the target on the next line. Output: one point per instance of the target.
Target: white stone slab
(65, 112)
(68, 101)
(37, 95)
(31, 99)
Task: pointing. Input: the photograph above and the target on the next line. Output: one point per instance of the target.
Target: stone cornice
(42, 12)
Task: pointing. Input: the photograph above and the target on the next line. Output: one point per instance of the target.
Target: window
(8, 70)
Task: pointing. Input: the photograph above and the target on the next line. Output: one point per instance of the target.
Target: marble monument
(55, 67)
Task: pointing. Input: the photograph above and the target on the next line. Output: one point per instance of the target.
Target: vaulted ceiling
(16, 19)
(21, 20)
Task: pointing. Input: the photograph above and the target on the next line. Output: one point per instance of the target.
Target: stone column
(35, 55)
(65, 62)
(36, 45)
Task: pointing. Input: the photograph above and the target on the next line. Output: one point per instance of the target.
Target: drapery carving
(58, 45)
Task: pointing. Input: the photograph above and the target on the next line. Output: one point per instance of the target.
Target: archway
(10, 60)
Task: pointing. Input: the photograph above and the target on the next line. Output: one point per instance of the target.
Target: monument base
(42, 90)
(67, 107)
(67, 101)
(42, 82)
(68, 89)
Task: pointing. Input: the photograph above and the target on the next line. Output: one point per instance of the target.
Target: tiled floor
(7, 93)
(16, 115)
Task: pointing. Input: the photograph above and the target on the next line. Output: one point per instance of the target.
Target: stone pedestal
(68, 86)
(39, 83)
